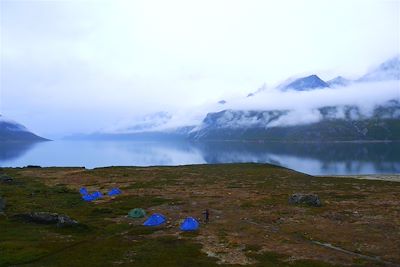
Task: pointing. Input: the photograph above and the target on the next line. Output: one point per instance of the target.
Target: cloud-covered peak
(306, 83)
(388, 70)
(338, 81)
(13, 131)
(11, 125)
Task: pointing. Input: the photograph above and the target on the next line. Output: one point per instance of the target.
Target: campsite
(186, 133)
(251, 220)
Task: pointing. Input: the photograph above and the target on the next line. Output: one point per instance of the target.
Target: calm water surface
(311, 158)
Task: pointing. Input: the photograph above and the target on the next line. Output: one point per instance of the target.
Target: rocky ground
(252, 222)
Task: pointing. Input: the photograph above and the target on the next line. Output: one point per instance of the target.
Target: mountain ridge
(335, 123)
(346, 122)
(11, 131)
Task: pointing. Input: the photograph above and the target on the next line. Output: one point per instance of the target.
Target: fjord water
(311, 158)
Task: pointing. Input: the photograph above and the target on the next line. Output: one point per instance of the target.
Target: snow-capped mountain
(305, 83)
(13, 131)
(338, 81)
(388, 70)
(149, 122)
(330, 123)
(308, 114)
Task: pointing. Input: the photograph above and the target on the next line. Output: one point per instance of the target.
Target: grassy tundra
(251, 222)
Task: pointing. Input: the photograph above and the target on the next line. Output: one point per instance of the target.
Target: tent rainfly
(87, 197)
(114, 191)
(189, 224)
(83, 191)
(97, 194)
(155, 220)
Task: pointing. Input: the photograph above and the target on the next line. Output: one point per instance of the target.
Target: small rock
(309, 199)
(4, 178)
(2, 204)
(48, 218)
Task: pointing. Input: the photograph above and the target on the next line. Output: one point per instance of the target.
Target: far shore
(383, 177)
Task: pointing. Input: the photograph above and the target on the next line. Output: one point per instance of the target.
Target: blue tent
(114, 191)
(96, 195)
(189, 224)
(87, 197)
(83, 191)
(154, 220)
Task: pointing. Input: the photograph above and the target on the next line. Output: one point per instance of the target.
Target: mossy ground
(251, 220)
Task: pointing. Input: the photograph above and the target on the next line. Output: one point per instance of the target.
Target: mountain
(329, 123)
(147, 123)
(388, 70)
(338, 81)
(156, 135)
(262, 88)
(305, 83)
(333, 123)
(13, 131)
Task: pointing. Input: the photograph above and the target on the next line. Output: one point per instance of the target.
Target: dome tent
(136, 213)
(87, 197)
(97, 194)
(154, 220)
(114, 191)
(189, 224)
(83, 191)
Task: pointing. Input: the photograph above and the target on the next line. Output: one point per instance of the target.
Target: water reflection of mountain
(312, 158)
(14, 150)
(328, 157)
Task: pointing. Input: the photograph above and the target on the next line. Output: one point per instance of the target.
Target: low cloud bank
(364, 95)
(302, 107)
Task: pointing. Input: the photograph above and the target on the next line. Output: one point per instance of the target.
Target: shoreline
(380, 177)
(392, 177)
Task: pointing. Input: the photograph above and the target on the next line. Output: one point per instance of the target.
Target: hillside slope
(12, 131)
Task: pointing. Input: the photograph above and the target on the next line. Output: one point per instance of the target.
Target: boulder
(33, 166)
(308, 199)
(2, 204)
(48, 218)
(4, 178)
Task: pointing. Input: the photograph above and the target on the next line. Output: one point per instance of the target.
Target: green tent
(136, 213)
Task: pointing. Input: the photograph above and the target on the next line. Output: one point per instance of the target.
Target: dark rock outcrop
(33, 166)
(308, 199)
(4, 178)
(48, 218)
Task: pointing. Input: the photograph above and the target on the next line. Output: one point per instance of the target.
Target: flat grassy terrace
(251, 222)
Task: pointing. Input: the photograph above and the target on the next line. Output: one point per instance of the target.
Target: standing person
(206, 215)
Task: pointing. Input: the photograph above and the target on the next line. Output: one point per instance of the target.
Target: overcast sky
(78, 66)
